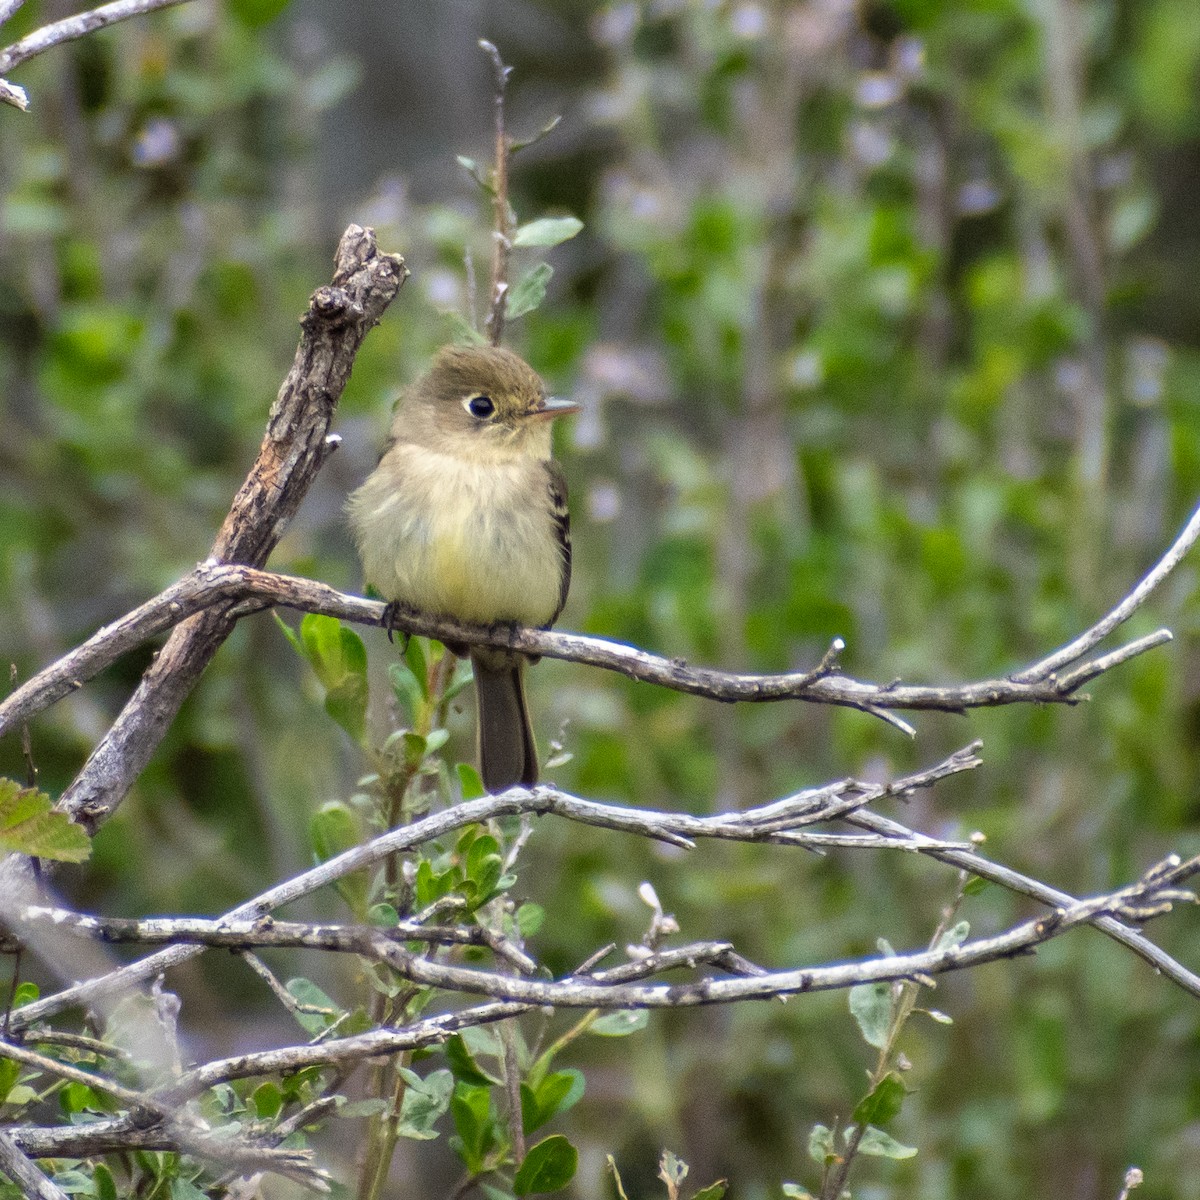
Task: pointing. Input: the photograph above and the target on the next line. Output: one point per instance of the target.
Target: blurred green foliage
(884, 319)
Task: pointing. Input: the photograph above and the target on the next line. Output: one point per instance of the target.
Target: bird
(466, 517)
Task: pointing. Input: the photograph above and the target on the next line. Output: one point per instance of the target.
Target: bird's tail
(507, 751)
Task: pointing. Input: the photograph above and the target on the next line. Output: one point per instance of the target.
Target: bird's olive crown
(487, 383)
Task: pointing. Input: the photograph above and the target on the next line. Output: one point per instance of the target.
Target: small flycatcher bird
(466, 517)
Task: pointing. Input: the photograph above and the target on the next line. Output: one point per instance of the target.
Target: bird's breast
(474, 541)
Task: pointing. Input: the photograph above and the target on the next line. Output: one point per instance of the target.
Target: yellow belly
(476, 543)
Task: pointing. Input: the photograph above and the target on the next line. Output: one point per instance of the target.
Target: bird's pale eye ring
(482, 407)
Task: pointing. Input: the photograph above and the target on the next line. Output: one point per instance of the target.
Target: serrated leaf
(882, 1103)
(871, 1007)
(547, 231)
(621, 1023)
(549, 1166)
(529, 291)
(28, 825)
(883, 1145)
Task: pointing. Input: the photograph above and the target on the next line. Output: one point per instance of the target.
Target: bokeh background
(885, 320)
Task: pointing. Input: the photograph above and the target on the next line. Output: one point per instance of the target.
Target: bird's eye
(480, 406)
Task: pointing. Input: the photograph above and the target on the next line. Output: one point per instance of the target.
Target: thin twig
(70, 28)
(502, 215)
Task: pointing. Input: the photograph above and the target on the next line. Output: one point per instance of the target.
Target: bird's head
(482, 401)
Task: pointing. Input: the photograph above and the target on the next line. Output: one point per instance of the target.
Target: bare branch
(212, 583)
(24, 1174)
(13, 95)
(675, 828)
(969, 860)
(575, 992)
(1092, 637)
(70, 28)
(296, 443)
(9, 9)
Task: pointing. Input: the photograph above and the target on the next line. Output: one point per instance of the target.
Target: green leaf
(714, 1191)
(464, 1065)
(28, 825)
(975, 886)
(339, 659)
(883, 1145)
(334, 829)
(10, 1072)
(549, 1166)
(793, 1191)
(621, 1023)
(357, 1109)
(425, 1100)
(559, 1091)
(529, 918)
(871, 1007)
(106, 1186)
(306, 993)
(418, 663)
(470, 1108)
(254, 13)
(267, 1100)
(612, 1166)
(882, 1103)
(406, 688)
(469, 781)
(529, 291)
(820, 1145)
(27, 993)
(74, 1182)
(547, 231)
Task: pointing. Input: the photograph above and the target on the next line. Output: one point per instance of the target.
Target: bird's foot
(393, 612)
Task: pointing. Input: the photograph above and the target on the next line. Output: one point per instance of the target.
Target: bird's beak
(553, 406)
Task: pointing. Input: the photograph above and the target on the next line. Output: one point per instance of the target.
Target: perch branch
(212, 583)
